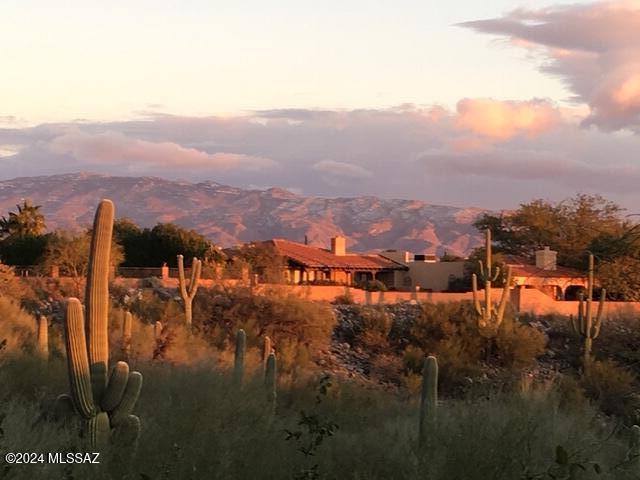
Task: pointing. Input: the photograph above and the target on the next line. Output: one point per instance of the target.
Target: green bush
(17, 328)
(375, 327)
(449, 331)
(612, 387)
(291, 322)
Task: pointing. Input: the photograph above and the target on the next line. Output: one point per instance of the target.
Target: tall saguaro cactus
(127, 324)
(586, 324)
(104, 403)
(270, 383)
(238, 364)
(429, 397)
(189, 292)
(266, 349)
(43, 337)
(489, 317)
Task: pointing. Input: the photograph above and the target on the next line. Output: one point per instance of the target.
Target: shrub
(345, 299)
(288, 319)
(413, 359)
(17, 328)
(375, 328)
(519, 345)
(611, 387)
(449, 331)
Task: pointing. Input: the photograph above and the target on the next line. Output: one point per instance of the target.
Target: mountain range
(230, 215)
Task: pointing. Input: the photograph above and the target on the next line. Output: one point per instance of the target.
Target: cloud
(485, 152)
(505, 119)
(341, 169)
(594, 48)
(536, 166)
(116, 148)
(9, 150)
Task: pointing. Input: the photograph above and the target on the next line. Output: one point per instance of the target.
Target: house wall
(434, 276)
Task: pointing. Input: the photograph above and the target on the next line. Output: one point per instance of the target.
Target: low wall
(529, 300)
(526, 300)
(534, 301)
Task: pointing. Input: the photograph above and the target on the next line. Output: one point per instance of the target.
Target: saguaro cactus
(238, 365)
(157, 330)
(127, 325)
(489, 317)
(43, 337)
(634, 446)
(266, 349)
(104, 404)
(270, 382)
(429, 397)
(188, 293)
(586, 324)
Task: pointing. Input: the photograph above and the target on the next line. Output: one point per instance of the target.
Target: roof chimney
(546, 259)
(339, 245)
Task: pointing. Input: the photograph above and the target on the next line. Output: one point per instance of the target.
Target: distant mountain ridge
(230, 215)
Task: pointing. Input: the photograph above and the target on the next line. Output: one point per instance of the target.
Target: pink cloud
(594, 48)
(341, 169)
(116, 148)
(505, 119)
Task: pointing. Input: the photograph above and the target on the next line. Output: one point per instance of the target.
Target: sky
(466, 103)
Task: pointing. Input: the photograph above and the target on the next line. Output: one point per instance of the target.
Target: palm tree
(29, 221)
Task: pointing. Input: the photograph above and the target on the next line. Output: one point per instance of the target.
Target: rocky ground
(620, 340)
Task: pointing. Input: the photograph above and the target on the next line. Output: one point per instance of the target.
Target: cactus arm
(99, 431)
(574, 324)
(63, 407)
(482, 274)
(117, 384)
(589, 298)
(77, 360)
(97, 292)
(581, 321)
(157, 329)
(128, 432)
(181, 279)
(505, 297)
(476, 297)
(129, 399)
(496, 275)
(603, 297)
(597, 323)
(126, 334)
(196, 270)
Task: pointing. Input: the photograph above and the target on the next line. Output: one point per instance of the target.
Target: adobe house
(305, 263)
(560, 283)
(425, 271)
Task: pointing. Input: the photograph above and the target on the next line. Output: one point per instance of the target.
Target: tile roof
(315, 257)
(536, 272)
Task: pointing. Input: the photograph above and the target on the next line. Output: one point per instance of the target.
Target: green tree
(23, 239)
(570, 227)
(70, 253)
(161, 244)
(28, 221)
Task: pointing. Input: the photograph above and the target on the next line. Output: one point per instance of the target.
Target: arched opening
(572, 291)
